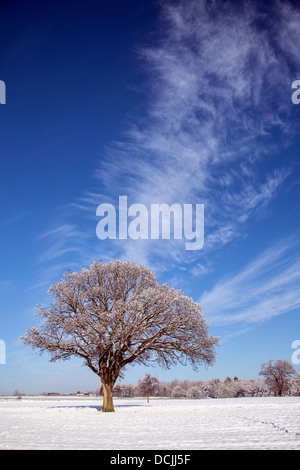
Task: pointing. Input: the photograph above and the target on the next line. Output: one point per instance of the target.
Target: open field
(165, 424)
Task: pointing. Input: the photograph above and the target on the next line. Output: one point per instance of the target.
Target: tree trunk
(108, 404)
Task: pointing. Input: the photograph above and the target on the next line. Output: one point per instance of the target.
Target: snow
(165, 424)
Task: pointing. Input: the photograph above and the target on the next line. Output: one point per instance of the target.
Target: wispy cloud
(14, 219)
(219, 88)
(6, 286)
(65, 239)
(219, 78)
(267, 287)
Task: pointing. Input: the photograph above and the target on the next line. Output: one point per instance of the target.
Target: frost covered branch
(117, 313)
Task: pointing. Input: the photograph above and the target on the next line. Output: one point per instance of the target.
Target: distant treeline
(230, 388)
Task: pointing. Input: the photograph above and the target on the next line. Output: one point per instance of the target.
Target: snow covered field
(77, 423)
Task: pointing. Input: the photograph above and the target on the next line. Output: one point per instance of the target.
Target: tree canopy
(115, 313)
(277, 375)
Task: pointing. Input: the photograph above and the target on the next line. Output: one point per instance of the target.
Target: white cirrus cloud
(219, 90)
(217, 113)
(267, 287)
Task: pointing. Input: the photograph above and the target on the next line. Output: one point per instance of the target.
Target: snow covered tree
(278, 375)
(178, 392)
(115, 313)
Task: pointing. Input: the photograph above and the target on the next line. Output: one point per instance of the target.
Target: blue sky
(184, 102)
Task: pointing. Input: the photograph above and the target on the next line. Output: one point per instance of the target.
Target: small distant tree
(194, 392)
(213, 388)
(18, 394)
(179, 392)
(295, 386)
(115, 313)
(148, 386)
(277, 376)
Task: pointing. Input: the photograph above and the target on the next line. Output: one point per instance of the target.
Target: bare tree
(115, 313)
(148, 385)
(278, 375)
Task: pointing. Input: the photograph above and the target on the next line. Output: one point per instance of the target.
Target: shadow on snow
(99, 408)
